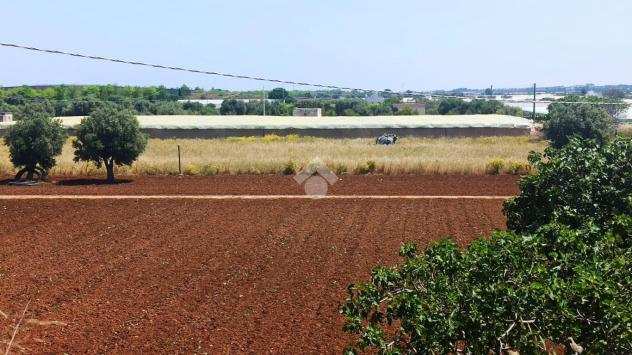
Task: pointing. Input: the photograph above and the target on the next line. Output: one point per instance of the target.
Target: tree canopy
(109, 136)
(559, 278)
(581, 181)
(33, 144)
(279, 94)
(73, 100)
(565, 121)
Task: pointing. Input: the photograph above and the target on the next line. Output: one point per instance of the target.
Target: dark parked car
(386, 139)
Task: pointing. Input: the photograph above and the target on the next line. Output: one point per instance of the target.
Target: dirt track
(208, 276)
(501, 185)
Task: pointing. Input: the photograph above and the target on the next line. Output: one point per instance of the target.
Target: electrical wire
(289, 82)
(227, 75)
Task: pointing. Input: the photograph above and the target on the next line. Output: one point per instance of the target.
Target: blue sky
(368, 44)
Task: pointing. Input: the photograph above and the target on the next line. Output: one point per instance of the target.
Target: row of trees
(85, 107)
(239, 107)
(83, 100)
(341, 107)
(559, 278)
(108, 137)
(97, 92)
(453, 106)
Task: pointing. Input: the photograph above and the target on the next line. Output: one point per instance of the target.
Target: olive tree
(33, 142)
(109, 136)
(279, 94)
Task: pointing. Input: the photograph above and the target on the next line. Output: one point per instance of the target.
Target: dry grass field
(275, 154)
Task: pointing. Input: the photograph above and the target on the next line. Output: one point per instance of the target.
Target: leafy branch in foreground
(581, 181)
(506, 292)
(560, 278)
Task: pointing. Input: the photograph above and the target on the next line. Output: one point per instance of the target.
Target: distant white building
(408, 100)
(6, 117)
(218, 102)
(308, 112)
(375, 98)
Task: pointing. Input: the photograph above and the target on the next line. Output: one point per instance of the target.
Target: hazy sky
(412, 44)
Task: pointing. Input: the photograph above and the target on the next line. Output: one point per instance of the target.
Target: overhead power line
(278, 81)
(215, 73)
(523, 101)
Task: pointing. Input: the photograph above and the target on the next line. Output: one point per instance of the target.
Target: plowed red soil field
(207, 275)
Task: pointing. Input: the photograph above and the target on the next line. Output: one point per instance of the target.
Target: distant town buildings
(308, 112)
(218, 102)
(6, 117)
(375, 98)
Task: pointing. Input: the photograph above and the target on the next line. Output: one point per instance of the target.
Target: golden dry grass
(274, 154)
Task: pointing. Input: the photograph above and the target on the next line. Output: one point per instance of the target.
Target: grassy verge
(275, 154)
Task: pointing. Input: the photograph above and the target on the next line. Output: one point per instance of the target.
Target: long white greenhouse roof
(284, 122)
(325, 122)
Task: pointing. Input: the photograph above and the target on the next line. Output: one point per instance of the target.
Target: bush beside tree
(565, 121)
(33, 142)
(109, 136)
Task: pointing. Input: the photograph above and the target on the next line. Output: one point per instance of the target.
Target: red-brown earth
(213, 276)
(500, 185)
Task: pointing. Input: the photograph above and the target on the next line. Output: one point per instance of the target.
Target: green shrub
(561, 276)
(371, 166)
(209, 170)
(518, 168)
(289, 168)
(565, 121)
(366, 168)
(495, 166)
(582, 181)
(192, 169)
(33, 142)
(509, 291)
(339, 168)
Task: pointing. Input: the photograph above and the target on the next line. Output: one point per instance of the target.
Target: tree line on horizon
(77, 100)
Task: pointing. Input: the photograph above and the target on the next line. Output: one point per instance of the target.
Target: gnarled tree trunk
(18, 176)
(109, 167)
